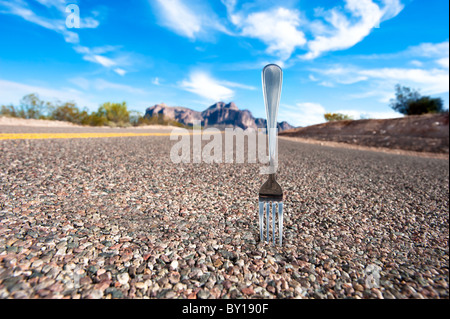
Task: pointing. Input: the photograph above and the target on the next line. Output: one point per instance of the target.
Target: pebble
(123, 278)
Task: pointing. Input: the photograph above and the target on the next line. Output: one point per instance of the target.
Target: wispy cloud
(180, 18)
(205, 86)
(342, 31)
(11, 92)
(101, 85)
(120, 71)
(277, 28)
(430, 74)
(443, 62)
(192, 19)
(379, 83)
(302, 114)
(433, 81)
(55, 19)
(97, 55)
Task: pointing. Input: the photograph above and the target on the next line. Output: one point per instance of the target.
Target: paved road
(115, 218)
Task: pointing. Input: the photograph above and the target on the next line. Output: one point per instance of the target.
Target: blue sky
(337, 56)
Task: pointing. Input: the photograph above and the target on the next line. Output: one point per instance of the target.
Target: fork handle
(272, 78)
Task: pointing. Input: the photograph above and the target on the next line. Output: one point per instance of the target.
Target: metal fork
(270, 193)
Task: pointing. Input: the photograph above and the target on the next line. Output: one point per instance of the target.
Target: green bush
(409, 102)
(329, 117)
(66, 112)
(116, 113)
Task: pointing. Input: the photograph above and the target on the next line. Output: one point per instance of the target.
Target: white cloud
(238, 85)
(106, 62)
(203, 85)
(120, 71)
(155, 81)
(342, 33)
(303, 114)
(430, 49)
(276, 28)
(432, 81)
(327, 84)
(179, 18)
(193, 19)
(343, 75)
(11, 93)
(443, 62)
(97, 55)
(416, 63)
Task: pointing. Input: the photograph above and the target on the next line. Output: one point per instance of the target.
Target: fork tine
(274, 212)
(280, 222)
(267, 220)
(261, 219)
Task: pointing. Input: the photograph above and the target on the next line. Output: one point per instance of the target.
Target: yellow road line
(23, 136)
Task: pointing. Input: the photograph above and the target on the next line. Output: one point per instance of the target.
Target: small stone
(123, 278)
(141, 285)
(358, 287)
(217, 263)
(248, 291)
(203, 294)
(103, 285)
(95, 294)
(174, 265)
(37, 263)
(174, 277)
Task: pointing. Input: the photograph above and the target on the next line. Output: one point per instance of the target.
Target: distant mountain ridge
(219, 115)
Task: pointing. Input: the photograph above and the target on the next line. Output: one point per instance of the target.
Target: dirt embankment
(419, 133)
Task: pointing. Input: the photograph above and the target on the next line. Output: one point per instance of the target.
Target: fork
(270, 193)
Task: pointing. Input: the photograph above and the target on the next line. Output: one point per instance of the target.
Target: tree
(329, 117)
(134, 117)
(31, 107)
(409, 102)
(116, 113)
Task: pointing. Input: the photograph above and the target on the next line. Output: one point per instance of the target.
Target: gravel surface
(114, 218)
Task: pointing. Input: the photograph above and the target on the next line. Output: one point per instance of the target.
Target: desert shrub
(116, 113)
(329, 117)
(68, 112)
(409, 102)
(9, 110)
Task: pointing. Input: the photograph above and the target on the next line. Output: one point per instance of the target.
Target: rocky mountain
(219, 115)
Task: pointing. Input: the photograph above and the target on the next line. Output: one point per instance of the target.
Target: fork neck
(272, 178)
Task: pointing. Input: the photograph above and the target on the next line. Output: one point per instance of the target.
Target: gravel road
(115, 218)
